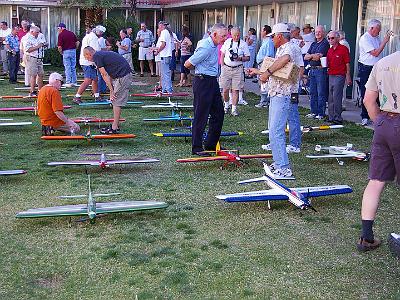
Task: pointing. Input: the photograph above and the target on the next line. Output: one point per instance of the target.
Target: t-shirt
(92, 40)
(67, 40)
(102, 43)
(166, 37)
(31, 41)
(186, 46)
(125, 42)
(49, 101)
(318, 47)
(115, 65)
(240, 48)
(366, 44)
(3, 34)
(21, 33)
(308, 39)
(384, 79)
(337, 60)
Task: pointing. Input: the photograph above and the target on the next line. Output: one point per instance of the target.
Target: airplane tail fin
(318, 148)
(217, 147)
(267, 170)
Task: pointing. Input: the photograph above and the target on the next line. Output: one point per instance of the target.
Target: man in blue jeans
(281, 94)
(165, 51)
(67, 45)
(318, 75)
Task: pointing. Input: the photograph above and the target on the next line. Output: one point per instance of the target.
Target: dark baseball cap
(61, 25)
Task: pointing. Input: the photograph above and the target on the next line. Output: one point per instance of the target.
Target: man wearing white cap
(89, 70)
(50, 108)
(282, 94)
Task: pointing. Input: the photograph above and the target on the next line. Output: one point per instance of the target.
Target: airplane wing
(94, 120)
(106, 103)
(198, 159)
(17, 97)
(272, 194)
(169, 118)
(81, 209)
(189, 134)
(75, 163)
(161, 95)
(93, 137)
(16, 124)
(27, 108)
(312, 128)
(167, 105)
(12, 172)
(250, 156)
(332, 155)
(132, 161)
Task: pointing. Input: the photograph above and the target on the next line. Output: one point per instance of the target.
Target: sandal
(109, 130)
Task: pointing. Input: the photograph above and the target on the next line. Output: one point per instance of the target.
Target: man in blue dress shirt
(207, 96)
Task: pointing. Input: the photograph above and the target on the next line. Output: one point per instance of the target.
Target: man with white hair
(371, 47)
(165, 51)
(50, 108)
(145, 39)
(4, 32)
(89, 70)
(34, 52)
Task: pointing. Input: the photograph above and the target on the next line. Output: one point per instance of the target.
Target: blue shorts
(183, 59)
(89, 72)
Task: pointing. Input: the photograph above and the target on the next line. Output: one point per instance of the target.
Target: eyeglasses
(331, 38)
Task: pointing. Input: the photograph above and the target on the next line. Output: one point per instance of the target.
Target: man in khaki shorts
(34, 52)
(117, 74)
(235, 51)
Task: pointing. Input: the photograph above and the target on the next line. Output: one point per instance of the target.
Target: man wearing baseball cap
(50, 108)
(282, 93)
(67, 45)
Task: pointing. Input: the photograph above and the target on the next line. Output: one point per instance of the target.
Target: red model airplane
(26, 108)
(89, 137)
(229, 156)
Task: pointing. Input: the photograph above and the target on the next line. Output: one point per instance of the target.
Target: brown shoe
(364, 245)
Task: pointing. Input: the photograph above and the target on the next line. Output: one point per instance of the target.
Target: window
(265, 18)
(36, 15)
(307, 13)
(69, 17)
(251, 18)
(287, 13)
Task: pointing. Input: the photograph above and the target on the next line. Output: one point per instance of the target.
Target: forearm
(61, 116)
(370, 104)
(348, 70)
(279, 63)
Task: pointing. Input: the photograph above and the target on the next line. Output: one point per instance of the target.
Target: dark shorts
(385, 150)
(183, 59)
(89, 72)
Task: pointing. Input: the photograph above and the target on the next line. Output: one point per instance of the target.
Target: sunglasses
(331, 38)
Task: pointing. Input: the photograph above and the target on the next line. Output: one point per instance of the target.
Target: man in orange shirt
(50, 108)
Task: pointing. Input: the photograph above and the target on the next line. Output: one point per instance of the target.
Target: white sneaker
(234, 113)
(319, 117)
(261, 105)
(311, 116)
(67, 85)
(226, 110)
(273, 167)
(292, 149)
(364, 122)
(284, 173)
(242, 102)
(266, 147)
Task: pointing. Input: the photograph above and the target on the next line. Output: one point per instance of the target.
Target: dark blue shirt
(115, 65)
(318, 47)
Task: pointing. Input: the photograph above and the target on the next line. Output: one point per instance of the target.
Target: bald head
(319, 33)
(88, 53)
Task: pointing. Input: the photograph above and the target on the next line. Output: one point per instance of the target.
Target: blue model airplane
(173, 117)
(299, 197)
(107, 103)
(189, 134)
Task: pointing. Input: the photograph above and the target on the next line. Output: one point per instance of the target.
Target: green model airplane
(92, 209)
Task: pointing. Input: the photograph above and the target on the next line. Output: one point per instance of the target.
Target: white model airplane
(305, 129)
(91, 209)
(5, 122)
(338, 152)
(103, 162)
(299, 197)
(12, 172)
(169, 104)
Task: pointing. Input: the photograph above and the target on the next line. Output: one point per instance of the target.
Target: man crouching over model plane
(117, 74)
(50, 108)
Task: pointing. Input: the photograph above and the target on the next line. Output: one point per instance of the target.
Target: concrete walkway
(352, 112)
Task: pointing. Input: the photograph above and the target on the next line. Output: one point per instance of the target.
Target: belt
(202, 76)
(145, 47)
(35, 57)
(162, 58)
(390, 114)
(316, 67)
(233, 66)
(365, 65)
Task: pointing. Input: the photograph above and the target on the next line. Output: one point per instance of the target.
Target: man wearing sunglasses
(50, 108)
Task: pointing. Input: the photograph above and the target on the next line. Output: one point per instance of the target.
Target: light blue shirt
(125, 42)
(267, 49)
(205, 58)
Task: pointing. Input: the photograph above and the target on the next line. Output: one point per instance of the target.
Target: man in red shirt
(23, 30)
(67, 45)
(338, 59)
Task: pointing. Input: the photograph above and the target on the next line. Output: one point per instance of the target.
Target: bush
(53, 57)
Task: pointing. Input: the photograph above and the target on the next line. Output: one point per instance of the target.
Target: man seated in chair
(50, 108)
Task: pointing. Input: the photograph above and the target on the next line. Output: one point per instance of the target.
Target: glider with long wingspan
(299, 197)
(89, 137)
(305, 129)
(91, 209)
(339, 152)
(169, 105)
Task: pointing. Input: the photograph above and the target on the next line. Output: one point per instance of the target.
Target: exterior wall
(325, 9)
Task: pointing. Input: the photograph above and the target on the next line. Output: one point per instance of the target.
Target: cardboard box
(290, 72)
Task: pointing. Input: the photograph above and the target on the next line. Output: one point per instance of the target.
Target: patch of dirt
(53, 282)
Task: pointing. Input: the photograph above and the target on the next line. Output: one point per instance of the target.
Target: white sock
(240, 95)
(234, 107)
(96, 95)
(77, 95)
(226, 103)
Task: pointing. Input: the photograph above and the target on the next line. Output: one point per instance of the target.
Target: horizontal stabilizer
(259, 179)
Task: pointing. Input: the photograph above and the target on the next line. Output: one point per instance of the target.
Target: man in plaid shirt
(145, 39)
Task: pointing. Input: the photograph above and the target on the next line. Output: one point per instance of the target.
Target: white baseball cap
(279, 28)
(55, 76)
(100, 28)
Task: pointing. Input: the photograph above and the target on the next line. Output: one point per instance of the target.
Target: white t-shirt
(92, 40)
(241, 48)
(166, 37)
(4, 33)
(157, 58)
(308, 39)
(366, 44)
(102, 43)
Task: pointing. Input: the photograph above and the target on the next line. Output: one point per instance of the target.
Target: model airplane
(338, 152)
(173, 117)
(27, 108)
(18, 97)
(299, 197)
(170, 105)
(88, 137)
(229, 156)
(14, 123)
(159, 95)
(90, 120)
(189, 134)
(12, 172)
(103, 162)
(305, 129)
(91, 209)
(107, 103)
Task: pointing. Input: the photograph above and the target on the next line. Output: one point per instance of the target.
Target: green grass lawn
(199, 247)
